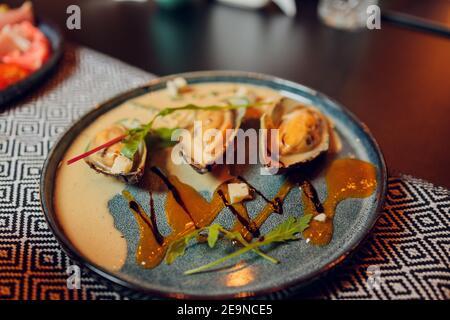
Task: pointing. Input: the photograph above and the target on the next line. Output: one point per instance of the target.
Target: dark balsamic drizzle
(158, 236)
(254, 189)
(346, 178)
(248, 224)
(311, 193)
(134, 206)
(276, 203)
(175, 193)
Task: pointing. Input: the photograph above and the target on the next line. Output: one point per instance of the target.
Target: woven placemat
(406, 256)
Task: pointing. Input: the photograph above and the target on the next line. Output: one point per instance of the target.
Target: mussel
(302, 134)
(111, 161)
(202, 150)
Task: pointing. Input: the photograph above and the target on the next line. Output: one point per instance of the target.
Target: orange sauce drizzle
(186, 209)
(346, 178)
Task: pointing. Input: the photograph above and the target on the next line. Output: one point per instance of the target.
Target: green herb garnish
(178, 247)
(286, 231)
(137, 135)
(164, 137)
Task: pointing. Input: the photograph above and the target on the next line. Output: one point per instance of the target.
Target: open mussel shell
(303, 134)
(227, 122)
(111, 162)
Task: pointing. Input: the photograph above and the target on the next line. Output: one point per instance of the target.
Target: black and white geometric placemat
(406, 256)
(32, 265)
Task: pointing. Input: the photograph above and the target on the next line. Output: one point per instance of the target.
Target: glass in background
(344, 14)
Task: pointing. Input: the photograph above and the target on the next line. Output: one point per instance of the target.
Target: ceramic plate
(20, 88)
(301, 262)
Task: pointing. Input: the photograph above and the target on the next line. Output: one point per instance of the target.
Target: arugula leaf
(137, 135)
(190, 106)
(132, 142)
(286, 231)
(289, 229)
(164, 133)
(164, 137)
(235, 235)
(213, 235)
(178, 247)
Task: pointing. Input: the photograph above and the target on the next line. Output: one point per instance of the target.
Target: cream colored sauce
(200, 182)
(81, 195)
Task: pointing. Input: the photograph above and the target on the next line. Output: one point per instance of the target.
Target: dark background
(396, 80)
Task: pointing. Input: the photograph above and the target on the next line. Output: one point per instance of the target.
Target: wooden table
(396, 80)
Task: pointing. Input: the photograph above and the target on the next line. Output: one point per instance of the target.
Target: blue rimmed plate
(301, 262)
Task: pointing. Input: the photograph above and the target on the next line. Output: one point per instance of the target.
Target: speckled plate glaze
(20, 88)
(301, 262)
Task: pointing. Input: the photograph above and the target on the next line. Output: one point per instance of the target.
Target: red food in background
(23, 47)
(10, 74)
(38, 48)
(23, 13)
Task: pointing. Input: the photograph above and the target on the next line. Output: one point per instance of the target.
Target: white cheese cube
(238, 192)
(180, 82)
(173, 86)
(121, 165)
(321, 217)
(172, 89)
